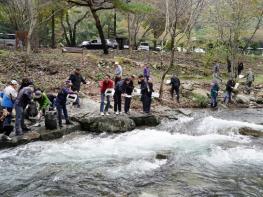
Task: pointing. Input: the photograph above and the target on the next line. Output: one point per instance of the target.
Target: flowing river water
(206, 157)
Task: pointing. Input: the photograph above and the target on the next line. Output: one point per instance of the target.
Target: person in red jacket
(107, 83)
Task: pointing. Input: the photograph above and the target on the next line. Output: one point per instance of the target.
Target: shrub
(200, 100)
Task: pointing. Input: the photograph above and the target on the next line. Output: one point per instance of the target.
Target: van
(7, 40)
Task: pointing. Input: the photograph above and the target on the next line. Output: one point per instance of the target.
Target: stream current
(206, 157)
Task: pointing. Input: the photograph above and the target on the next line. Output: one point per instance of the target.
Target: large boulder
(110, 124)
(146, 120)
(250, 132)
(243, 99)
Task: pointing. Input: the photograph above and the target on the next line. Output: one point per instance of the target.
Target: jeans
(20, 123)
(102, 98)
(176, 90)
(61, 108)
(213, 101)
(117, 102)
(227, 97)
(146, 103)
(127, 104)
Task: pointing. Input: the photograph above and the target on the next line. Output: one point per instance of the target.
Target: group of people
(230, 85)
(26, 98)
(123, 88)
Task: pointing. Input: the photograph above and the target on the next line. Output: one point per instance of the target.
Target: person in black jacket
(240, 67)
(229, 89)
(76, 80)
(127, 90)
(175, 82)
(119, 89)
(146, 93)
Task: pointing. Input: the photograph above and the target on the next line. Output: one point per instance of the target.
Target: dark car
(96, 44)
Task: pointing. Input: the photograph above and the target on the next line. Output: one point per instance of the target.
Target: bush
(200, 100)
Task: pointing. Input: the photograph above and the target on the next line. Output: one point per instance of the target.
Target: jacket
(119, 87)
(118, 71)
(146, 88)
(24, 97)
(214, 90)
(43, 101)
(105, 86)
(76, 81)
(9, 96)
(230, 84)
(250, 76)
(62, 96)
(175, 82)
(146, 71)
(128, 88)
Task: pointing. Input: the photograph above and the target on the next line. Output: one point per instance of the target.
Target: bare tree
(180, 16)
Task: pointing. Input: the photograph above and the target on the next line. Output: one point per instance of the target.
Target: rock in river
(250, 132)
(110, 124)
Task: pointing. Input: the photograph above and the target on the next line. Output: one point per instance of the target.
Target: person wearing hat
(43, 101)
(25, 97)
(76, 79)
(61, 101)
(9, 97)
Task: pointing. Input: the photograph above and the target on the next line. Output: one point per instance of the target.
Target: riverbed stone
(146, 120)
(110, 124)
(250, 132)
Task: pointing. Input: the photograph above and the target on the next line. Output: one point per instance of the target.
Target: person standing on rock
(249, 80)
(117, 96)
(61, 101)
(214, 93)
(229, 89)
(175, 83)
(127, 90)
(9, 97)
(118, 72)
(146, 93)
(76, 79)
(107, 83)
(146, 72)
(25, 97)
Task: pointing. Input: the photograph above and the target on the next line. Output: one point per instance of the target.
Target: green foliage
(200, 100)
(139, 8)
(99, 76)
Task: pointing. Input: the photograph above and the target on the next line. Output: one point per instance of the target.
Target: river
(206, 157)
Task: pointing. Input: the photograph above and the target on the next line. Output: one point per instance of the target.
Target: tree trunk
(53, 41)
(129, 34)
(169, 67)
(115, 24)
(100, 30)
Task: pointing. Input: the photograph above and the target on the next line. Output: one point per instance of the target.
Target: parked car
(144, 46)
(84, 43)
(126, 46)
(96, 44)
(7, 40)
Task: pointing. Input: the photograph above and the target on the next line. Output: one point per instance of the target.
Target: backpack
(51, 120)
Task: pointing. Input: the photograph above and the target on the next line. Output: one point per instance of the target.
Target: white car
(144, 46)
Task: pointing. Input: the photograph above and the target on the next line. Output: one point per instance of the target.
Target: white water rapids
(206, 157)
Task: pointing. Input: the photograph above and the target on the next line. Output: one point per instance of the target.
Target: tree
(95, 6)
(232, 21)
(180, 15)
(70, 25)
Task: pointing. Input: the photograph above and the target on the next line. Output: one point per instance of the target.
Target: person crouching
(61, 101)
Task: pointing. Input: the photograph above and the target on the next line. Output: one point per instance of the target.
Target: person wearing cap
(43, 100)
(61, 101)
(76, 79)
(107, 83)
(118, 70)
(25, 97)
